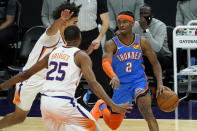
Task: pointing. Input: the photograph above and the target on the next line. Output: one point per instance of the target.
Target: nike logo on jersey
(120, 47)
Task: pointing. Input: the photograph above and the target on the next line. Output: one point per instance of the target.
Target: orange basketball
(168, 100)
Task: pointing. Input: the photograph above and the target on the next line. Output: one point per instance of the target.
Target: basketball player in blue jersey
(123, 63)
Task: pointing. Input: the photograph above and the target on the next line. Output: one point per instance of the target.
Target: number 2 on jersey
(129, 67)
(59, 71)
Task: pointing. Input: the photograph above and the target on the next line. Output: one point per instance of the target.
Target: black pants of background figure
(7, 36)
(166, 63)
(96, 57)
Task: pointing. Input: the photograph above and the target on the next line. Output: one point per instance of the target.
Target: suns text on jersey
(129, 55)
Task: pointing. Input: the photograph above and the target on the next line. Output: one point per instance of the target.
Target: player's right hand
(115, 82)
(122, 108)
(66, 14)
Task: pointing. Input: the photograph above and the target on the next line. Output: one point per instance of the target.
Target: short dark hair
(146, 6)
(66, 5)
(129, 13)
(72, 33)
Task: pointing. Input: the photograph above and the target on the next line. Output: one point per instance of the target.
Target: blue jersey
(127, 62)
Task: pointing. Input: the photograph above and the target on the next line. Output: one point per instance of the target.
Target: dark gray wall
(164, 10)
(31, 13)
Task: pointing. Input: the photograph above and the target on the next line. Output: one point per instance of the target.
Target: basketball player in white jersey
(58, 104)
(64, 15)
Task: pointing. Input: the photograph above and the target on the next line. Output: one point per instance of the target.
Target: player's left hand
(122, 108)
(115, 82)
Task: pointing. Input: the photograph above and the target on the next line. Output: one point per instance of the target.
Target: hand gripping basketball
(167, 100)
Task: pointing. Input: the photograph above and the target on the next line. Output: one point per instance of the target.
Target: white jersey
(63, 74)
(43, 46)
(26, 91)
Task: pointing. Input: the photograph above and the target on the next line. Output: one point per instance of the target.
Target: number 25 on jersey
(56, 69)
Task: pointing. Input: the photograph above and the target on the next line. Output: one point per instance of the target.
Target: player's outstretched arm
(84, 62)
(53, 29)
(109, 50)
(147, 50)
(26, 74)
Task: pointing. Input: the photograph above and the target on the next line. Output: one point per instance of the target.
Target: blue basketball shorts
(129, 91)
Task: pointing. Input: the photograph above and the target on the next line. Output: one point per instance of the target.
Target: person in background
(155, 32)
(48, 7)
(8, 29)
(186, 11)
(91, 11)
